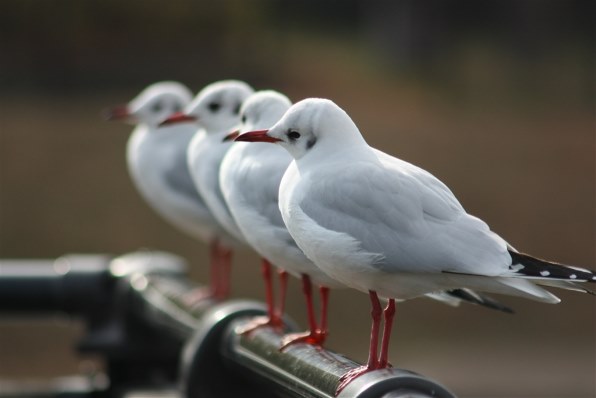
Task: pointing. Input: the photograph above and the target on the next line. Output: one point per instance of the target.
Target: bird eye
(237, 108)
(214, 106)
(293, 135)
(243, 120)
(157, 107)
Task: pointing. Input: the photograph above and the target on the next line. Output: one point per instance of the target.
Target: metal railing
(152, 338)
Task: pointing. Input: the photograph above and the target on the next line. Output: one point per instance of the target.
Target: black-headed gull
(156, 158)
(386, 227)
(215, 110)
(249, 178)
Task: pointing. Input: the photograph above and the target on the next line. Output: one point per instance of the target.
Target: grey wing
(374, 207)
(267, 176)
(404, 214)
(178, 178)
(436, 198)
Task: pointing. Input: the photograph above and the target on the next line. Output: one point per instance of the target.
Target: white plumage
(217, 110)
(387, 227)
(375, 222)
(249, 179)
(156, 157)
(213, 111)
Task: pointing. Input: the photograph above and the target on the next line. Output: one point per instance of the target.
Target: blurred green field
(512, 134)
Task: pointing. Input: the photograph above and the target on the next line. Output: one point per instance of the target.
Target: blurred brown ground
(512, 134)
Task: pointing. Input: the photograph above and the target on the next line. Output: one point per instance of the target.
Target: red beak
(257, 136)
(231, 136)
(178, 117)
(118, 112)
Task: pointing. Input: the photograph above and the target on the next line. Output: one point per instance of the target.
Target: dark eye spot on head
(237, 108)
(157, 107)
(214, 106)
(243, 120)
(293, 135)
(311, 142)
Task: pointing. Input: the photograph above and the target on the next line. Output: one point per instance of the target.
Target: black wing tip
(505, 309)
(539, 268)
(590, 292)
(482, 300)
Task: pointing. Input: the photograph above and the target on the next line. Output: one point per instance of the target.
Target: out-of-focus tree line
(89, 45)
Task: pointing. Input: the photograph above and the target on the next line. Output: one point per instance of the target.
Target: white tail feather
(525, 288)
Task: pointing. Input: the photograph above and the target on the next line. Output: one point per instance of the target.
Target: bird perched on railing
(214, 111)
(386, 227)
(158, 166)
(250, 176)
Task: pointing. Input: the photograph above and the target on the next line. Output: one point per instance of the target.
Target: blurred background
(496, 98)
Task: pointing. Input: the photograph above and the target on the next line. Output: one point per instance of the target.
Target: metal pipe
(150, 316)
(72, 284)
(302, 370)
(309, 371)
(163, 300)
(217, 350)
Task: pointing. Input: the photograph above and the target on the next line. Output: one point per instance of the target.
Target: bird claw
(348, 377)
(316, 337)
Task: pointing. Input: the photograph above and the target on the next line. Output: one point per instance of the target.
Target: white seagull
(386, 227)
(249, 179)
(250, 176)
(156, 158)
(216, 110)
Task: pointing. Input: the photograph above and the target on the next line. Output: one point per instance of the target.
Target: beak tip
(232, 136)
(119, 112)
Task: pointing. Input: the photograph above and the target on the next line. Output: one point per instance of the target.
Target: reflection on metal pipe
(139, 318)
(303, 370)
(217, 352)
